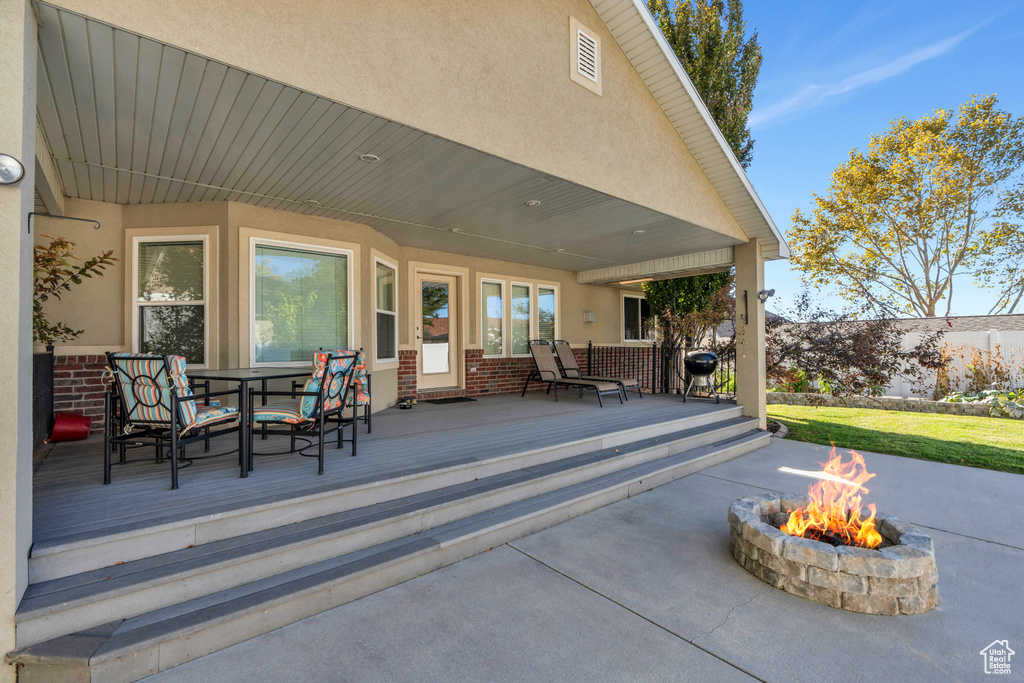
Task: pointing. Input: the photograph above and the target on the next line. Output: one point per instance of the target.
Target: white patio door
(437, 332)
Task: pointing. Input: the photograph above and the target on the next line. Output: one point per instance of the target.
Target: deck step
(89, 599)
(128, 649)
(72, 554)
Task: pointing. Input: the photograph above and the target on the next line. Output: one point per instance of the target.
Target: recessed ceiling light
(456, 229)
(639, 232)
(369, 158)
(560, 251)
(311, 202)
(533, 202)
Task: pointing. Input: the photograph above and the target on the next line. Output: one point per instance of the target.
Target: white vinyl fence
(1009, 343)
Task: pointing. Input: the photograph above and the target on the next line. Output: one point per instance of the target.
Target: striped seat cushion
(289, 412)
(209, 415)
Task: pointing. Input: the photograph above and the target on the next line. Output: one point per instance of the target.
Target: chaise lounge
(547, 372)
(571, 370)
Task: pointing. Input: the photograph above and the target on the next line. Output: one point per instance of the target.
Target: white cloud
(813, 94)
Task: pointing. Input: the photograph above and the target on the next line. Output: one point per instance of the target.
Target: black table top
(250, 374)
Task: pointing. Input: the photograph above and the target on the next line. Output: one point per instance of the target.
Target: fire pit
(825, 547)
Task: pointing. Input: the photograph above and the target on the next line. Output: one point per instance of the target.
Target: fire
(834, 512)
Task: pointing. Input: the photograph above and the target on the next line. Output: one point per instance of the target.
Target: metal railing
(42, 397)
(658, 369)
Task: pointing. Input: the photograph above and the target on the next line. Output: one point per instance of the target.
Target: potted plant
(56, 270)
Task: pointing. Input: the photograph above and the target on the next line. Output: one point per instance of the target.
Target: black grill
(700, 363)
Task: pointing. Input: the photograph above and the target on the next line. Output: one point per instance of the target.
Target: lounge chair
(571, 370)
(547, 372)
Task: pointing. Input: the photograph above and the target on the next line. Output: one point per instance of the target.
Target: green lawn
(986, 442)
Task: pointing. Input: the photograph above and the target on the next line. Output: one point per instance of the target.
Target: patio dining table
(244, 377)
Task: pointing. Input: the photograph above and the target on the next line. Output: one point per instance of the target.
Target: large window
(170, 306)
(636, 319)
(387, 313)
(521, 316)
(546, 314)
(300, 302)
(514, 312)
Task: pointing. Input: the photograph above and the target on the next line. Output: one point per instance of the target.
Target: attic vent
(586, 55)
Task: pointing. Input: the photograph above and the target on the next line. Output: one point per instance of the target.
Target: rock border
(897, 579)
(907, 405)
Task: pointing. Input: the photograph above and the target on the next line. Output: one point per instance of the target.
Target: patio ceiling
(133, 121)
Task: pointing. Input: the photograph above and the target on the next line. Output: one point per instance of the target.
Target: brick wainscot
(78, 387)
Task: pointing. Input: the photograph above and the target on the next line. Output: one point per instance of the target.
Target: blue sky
(834, 73)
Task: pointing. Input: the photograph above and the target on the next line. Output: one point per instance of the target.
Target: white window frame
(532, 334)
(554, 288)
(377, 309)
(137, 242)
(505, 346)
(622, 320)
(301, 246)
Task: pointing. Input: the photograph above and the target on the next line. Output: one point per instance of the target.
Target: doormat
(455, 399)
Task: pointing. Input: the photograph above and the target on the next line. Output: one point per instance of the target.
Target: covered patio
(73, 507)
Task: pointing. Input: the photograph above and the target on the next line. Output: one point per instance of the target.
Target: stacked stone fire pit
(897, 577)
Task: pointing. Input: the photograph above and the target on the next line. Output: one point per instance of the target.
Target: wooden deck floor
(70, 499)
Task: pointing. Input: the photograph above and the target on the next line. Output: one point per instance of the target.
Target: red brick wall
(496, 375)
(406, 374)
(78, 387)
(484, 376)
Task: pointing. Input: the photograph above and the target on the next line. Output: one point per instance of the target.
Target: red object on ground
(70, 427)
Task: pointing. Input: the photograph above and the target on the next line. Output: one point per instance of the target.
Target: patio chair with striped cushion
(156, 406)
(313, 410)
(571, 369)
(359, 397)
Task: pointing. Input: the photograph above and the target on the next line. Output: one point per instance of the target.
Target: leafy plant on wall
(55, 272)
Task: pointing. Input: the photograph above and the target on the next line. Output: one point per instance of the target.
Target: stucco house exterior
(529, 163)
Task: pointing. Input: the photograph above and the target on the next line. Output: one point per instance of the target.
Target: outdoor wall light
(11, 170)
(589, 316)
(765, 294)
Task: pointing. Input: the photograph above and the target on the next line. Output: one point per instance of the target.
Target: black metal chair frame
(124, 430)
(556, 380)
(366, 418)
(320, 420)
(579, 373)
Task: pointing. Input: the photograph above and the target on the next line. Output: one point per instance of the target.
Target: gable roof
(639, 37)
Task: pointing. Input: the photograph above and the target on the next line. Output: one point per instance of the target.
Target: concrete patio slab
(496, 616)
(645, 589)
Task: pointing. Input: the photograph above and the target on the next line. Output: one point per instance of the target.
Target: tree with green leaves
(675, 303)
(929, 201)
(710, 39)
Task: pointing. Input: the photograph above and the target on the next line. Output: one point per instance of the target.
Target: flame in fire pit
(834, 513)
